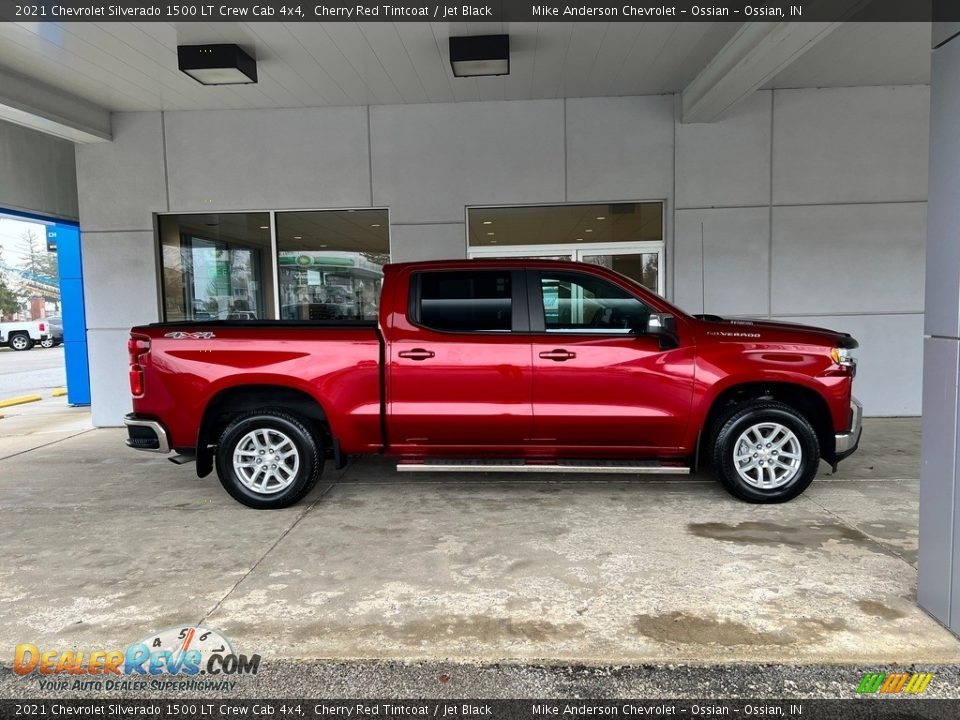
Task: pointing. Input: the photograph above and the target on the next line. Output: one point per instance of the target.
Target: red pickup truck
(506, 366)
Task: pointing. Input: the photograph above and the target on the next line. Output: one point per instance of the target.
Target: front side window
(465, 301)
(573, 302)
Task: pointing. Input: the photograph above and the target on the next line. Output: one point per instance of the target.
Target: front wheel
(765, 452)
(268, 459)
(21, 341)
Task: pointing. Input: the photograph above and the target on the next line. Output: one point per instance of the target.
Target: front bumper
(146, 434)
(846, 443)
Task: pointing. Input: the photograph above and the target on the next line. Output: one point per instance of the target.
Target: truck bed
(191, 365)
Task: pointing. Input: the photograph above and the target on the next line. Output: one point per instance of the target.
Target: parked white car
(23, 335)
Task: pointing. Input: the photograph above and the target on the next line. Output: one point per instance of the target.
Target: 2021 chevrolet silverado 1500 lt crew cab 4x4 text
(522, 365)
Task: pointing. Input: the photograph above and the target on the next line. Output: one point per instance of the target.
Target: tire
(20, 341)
(47, 343)
(270, 429)
(781, 468)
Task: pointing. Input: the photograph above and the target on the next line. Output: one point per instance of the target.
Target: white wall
(37, 173)
(806, 204)
(810, 205)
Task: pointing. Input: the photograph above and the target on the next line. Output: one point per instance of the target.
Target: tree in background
(9, 303)
(37, 261)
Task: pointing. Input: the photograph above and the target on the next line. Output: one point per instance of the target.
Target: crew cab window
(465, 301)
(573, 302)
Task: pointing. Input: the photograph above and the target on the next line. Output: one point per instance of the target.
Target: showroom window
(216, 266)
(625, 237)
(296, 265)
(331, 263)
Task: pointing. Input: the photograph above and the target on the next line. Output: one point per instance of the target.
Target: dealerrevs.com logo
(182, 652)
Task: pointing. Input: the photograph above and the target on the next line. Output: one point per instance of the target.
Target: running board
(626, 467)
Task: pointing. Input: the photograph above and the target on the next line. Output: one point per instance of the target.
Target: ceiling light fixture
(264, 227)
(477, 55)
(375, 225)
(490, 233)
(589, 230)
(601, 217)
(298, 237)
(488, 222)
(223, 64)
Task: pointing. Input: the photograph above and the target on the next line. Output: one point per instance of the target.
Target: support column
(938, 590)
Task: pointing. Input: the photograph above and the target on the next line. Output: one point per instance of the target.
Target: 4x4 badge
(190, 335)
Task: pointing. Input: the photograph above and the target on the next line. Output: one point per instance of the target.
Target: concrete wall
(807, 205)
(37, 173)
(810, 206)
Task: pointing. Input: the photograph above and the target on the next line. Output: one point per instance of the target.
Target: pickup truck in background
(505, 366)
(24, 335)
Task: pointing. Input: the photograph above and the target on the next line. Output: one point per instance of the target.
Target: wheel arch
(235, 400)
(805, 400)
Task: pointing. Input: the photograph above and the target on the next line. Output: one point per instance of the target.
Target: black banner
(571, 709)
(492, 11)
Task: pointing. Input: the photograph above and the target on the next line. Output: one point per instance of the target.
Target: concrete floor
(103, 545)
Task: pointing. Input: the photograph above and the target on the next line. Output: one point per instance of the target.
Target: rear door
(460, 370)
(598, 379)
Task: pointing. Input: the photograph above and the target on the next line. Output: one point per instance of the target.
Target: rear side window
(459, 301)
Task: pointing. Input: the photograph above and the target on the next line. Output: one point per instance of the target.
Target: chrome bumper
(147, 435)
(846, 442)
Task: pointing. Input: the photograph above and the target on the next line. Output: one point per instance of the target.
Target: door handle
(557, 355)
(416, 354)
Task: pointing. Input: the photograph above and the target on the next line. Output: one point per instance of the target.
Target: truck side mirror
(664, 327)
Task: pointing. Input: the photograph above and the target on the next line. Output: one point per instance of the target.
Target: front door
(598, 380)
(460, 369)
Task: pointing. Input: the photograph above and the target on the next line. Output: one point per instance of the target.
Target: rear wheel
(765, 452)
(47, 342)
(268, 459)
(21, 341)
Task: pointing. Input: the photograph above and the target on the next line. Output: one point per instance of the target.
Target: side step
(618, 467)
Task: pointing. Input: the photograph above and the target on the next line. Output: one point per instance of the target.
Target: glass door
(641, 261)
(640, 264)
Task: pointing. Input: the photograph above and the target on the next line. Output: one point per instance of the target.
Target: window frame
(538, 312)
(519, 315)
(272, 300)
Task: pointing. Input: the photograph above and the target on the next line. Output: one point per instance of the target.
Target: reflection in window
(216, 267)
(331, 263)
(580, 303)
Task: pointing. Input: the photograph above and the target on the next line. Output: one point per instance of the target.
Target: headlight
(843, 356)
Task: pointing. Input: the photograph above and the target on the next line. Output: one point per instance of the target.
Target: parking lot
(30, 371)
(103, 545)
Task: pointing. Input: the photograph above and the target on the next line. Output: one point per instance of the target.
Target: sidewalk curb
(59, 392)
(21, 400)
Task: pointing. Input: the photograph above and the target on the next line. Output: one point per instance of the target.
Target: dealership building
(757, 170)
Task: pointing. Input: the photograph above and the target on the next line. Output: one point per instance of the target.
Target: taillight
(43, 328)
(137, 347)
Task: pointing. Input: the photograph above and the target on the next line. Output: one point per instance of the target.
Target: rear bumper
(846, 443)
(146, 434)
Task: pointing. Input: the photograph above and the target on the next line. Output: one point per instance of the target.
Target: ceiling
(353, 230)
(124, 66)
(543, 225)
